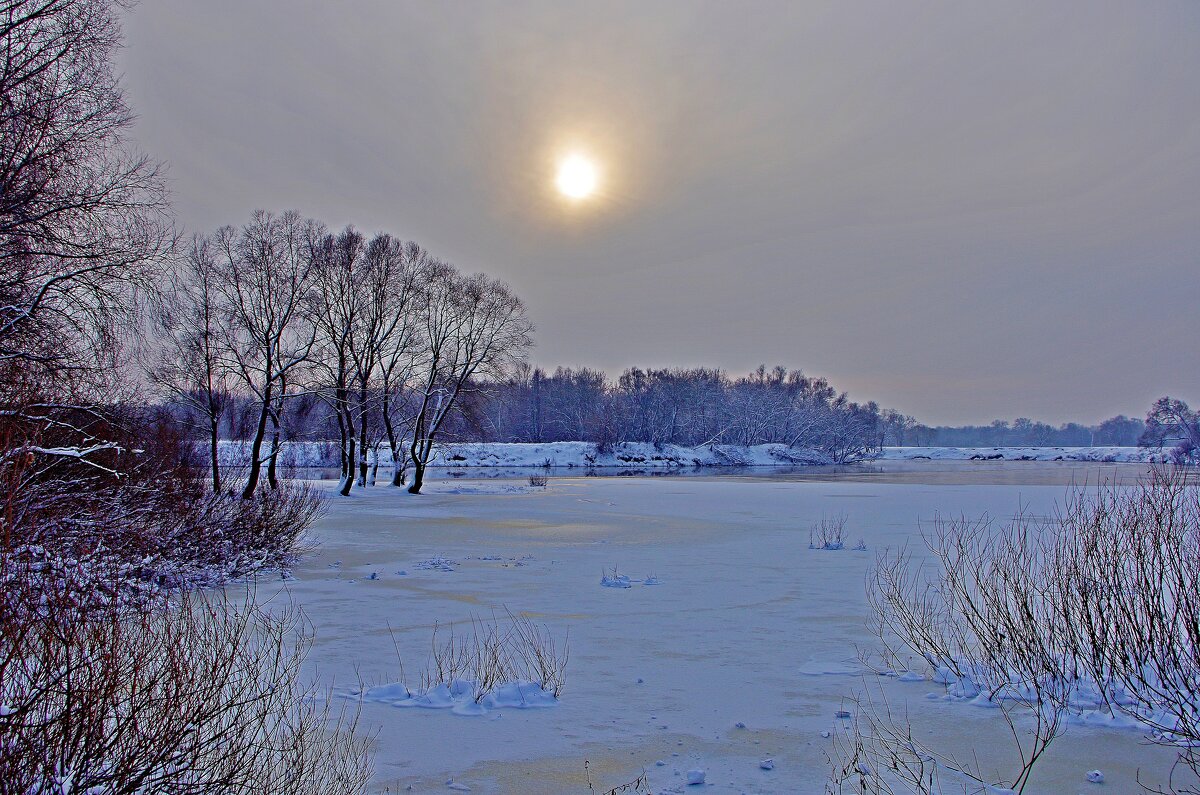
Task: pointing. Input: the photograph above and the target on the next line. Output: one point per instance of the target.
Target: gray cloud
(963, 210)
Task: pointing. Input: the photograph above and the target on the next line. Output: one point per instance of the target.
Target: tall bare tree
(1170, 419)
(265, 274)
(336, 314)
(474, 331)
(190, 360)
(83, 218)
(395, 280)
(83, 226)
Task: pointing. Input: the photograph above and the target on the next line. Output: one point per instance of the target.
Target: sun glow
(576, 177)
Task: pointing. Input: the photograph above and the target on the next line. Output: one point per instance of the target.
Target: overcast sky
(963, 210)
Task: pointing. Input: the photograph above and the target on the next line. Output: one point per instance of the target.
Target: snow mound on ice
(463, 696)
(612, 579)
(615, 580)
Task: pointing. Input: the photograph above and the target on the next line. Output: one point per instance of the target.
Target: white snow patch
(463, 697)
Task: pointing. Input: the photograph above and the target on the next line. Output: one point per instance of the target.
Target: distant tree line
(687, 407)
(1118, 431)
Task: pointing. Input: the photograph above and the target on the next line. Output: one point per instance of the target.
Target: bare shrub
(200, 696)
(130, 541)
(876, 736)
(639, 786)
(1094, 608)
(538, 481)
(131, 517)
(879, 752)
(829, 533)
(497, 652)
(541, 658)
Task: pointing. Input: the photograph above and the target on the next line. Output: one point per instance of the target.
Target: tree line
(1118, 431)
(686, 407)
(282, 314)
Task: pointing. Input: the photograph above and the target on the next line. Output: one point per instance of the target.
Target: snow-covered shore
(642, 455)
(1119, 455)
(626, 455)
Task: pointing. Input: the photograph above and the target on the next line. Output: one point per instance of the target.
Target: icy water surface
(745, 649)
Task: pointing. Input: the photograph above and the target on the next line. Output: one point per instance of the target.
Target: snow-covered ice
(751, 628)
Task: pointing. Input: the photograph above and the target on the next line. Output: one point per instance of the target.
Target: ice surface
(751, 627)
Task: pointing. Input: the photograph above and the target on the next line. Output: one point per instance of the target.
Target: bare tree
(382, 352)
(1170, 419)
(82, 217)
(474, 329)
(265, 275)
(190, 359)
(399, 275)
(83, 224)
(337, 311)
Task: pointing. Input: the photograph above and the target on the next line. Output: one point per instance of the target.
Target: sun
(576, 177)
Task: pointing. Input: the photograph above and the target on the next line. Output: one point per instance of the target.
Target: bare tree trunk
(349, 453)
(342, 441)
(346, 426)
(398, 457)
(272, 463)
(348, 479)
(362, 436)
(419, 452)
(418, 473)
(276, 428)
(260, 433)
(213, 422)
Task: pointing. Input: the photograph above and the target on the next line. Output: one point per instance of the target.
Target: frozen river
(748, 626)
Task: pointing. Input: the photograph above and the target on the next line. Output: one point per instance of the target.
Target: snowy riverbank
(642, 455)
(1115, 455)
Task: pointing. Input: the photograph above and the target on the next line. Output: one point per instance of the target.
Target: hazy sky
(963, 210)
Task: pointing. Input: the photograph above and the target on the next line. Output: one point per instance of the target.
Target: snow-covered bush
(125, 526)
(196, 696)
(1093, 611)
(154, 540)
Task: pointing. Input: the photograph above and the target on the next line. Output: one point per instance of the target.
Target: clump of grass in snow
(493, 653)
